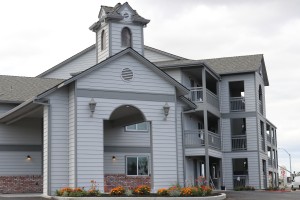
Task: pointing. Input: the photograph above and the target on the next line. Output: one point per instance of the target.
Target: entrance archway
(127, 148)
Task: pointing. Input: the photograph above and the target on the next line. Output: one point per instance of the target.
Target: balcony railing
(196, 94)
(270, 162)
(261, 110)
(237, 104)
(269, 138)
(240, 181)
(239, 142)
(273, 141)
(214, 140)
(212, 98)
(274, 163)
(194, 138)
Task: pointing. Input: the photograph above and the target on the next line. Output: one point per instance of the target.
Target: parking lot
(262, 195)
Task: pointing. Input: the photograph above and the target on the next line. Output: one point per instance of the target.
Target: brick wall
(128, 182)
(21, 184)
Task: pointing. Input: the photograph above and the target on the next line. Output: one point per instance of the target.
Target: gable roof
(17, 89)
(181, 88)
(29, 103)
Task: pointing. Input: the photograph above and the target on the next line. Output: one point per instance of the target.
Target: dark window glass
(143, 165)
(126, 37)
(131, 166)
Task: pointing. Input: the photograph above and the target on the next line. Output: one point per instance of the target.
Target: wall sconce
(166, 110)
(28, 157)
(92, 105)
(113, 157)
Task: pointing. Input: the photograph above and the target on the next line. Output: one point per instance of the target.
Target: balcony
(237, 104)
(194, 138)
(269, 138)
(212, 99)
(270, 162)
(214, 140)
(239, 142)
(196, 94)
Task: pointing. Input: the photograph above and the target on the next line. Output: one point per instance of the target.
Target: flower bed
(139, 191)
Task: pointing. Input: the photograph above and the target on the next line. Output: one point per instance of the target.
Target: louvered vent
(127, 74)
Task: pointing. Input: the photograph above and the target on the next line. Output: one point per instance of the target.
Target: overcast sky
(38, 34)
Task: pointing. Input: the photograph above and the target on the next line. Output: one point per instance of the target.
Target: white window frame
(136, 128)
(137, 166)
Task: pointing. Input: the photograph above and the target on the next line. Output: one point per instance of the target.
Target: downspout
(183, 149)
(176, 131)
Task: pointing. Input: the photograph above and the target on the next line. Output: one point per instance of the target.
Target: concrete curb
(219, 197)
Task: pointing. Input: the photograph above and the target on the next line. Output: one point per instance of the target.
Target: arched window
(261, 108)
(103, 40)
(260, 93)
(126, 37)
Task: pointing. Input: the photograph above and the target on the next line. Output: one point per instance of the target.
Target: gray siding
(59, 139)
(253, 169)
(90, 140)
(77, 65)
(136, 35)
(251, 130)
(116, 136)
(259, 81)
(118, 166)
(179, 143)
(72, 129)
(109, 78)
(46, 173)
(249, 86)
(27, 131)
(226, 134)
(102, 55)
(154, 56)
(175, 73)
(14, 163)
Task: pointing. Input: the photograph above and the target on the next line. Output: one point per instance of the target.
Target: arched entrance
(127, 149)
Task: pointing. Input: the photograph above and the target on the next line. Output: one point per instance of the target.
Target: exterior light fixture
(166, 109)
(28, 157)
(92, 105)
(113, 157)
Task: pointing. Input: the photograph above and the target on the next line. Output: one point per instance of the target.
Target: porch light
(113, 157)
(92, 105)
(28, 157)
(166, 109)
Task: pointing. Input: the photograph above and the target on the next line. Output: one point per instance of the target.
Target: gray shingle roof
(19, 89)
(225, 65)
(237, 64)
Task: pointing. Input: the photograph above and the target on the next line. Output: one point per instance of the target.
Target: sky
(38, 34)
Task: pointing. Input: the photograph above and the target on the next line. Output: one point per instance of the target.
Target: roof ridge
(29, 77)
(230, 57)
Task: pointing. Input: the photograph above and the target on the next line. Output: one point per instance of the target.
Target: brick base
(128, 182)
(21, 184)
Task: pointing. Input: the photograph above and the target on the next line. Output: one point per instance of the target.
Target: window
(126, 37)
(137, 127)
(103, 40)
(137, 166)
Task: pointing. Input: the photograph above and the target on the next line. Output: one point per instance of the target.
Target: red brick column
(128, 182)
(21, 184)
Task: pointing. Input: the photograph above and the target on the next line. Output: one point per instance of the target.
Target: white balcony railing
(212, 98)
(239, 142)
(194, 138)
(237, 104)
(214, 140)
(270, 162)
(269, 138)
(196, 94)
